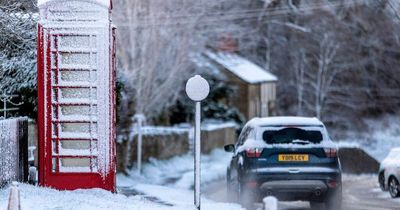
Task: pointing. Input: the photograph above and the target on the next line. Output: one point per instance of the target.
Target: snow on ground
(37, 198)
(171, 181)
(164, 185)
(177, 172)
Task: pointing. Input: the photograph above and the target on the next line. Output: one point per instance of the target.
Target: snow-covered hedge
(13, 150)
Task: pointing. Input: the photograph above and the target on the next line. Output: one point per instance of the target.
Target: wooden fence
(13, 150)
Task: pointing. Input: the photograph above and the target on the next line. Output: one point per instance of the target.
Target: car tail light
(332, 183)
(252, 184)
(253, 152)
(331, 152)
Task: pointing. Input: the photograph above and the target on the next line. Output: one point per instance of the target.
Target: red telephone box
(76, 99)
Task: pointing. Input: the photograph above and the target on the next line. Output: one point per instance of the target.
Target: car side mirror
(229, 148)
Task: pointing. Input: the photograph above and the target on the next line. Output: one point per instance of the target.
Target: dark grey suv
(291, 158)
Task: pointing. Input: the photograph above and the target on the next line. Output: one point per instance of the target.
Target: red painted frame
(68, 181)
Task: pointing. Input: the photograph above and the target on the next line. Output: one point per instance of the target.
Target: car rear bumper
(294, 186)
(295, 189)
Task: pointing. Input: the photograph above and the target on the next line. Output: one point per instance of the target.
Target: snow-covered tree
(18, 55)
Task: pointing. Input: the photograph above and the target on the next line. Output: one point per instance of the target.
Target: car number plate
(293, 158)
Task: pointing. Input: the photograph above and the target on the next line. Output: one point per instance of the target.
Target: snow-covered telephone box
(76, 99)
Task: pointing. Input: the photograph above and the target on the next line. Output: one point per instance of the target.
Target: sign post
(197, 88)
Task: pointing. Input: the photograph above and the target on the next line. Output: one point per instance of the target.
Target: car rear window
(292, 135)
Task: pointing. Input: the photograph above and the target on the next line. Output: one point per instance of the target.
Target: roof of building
(242, 67)
(285, 121)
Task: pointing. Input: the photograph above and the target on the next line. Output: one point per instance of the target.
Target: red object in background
(76, 96)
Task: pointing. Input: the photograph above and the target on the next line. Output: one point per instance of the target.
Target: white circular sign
(197, 88)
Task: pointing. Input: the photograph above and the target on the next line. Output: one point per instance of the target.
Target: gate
(76, 95)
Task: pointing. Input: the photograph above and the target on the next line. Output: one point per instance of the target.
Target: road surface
(359, 193)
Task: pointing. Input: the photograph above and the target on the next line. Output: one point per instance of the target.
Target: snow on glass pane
(74, 58)
(84, 110)
(78, 76)
(77, 42)
(78, 145)
(75, 165)
(78, 93)
(78, 127)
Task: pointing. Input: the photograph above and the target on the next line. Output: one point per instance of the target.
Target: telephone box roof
(106, 3)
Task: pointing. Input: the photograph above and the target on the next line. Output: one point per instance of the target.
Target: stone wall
(167, 145)
(357, 161)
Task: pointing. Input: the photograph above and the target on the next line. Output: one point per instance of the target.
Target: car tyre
(335, 201)
(232, 192)
(317, 205)
(246, 198)
(381, 180)
(394, 188)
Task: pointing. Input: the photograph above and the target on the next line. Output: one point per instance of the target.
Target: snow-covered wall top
(106, 3)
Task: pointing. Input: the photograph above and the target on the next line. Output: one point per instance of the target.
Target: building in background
(255, 87)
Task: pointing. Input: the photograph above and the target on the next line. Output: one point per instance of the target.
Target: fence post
(13, 150)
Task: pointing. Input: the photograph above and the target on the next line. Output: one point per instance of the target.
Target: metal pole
(197, 152)
(139, 146)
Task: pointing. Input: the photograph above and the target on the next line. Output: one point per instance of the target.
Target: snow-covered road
(359, 193)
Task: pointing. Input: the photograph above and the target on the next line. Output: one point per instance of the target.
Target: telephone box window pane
(68, 58)
(84, 110)
(78, 76)
(53, 164)
(78, 93)
(78, 127)
(54, 129)
(54, 147)
(54, 93)
(76, 41)
(78, 145)
(53, 60)
(75, 165)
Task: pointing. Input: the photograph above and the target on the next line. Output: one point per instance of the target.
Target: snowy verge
(38, 198)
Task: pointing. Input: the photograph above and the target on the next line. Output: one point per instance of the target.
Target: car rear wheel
(335, 201)
(247, 199)
(232, 192)
(381, 180)
(317, 205)
(394, 188)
